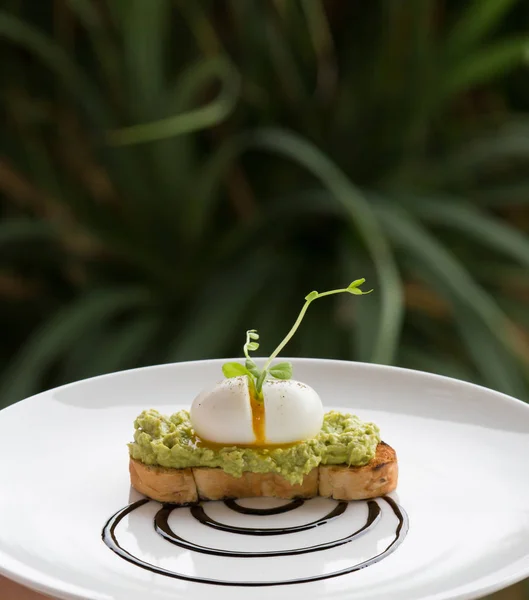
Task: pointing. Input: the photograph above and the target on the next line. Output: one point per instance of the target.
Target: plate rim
(15, 571)
(220, 361)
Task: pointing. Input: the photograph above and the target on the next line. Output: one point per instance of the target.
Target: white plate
(463, 482)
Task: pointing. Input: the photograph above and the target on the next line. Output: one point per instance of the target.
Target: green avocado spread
(171, 442)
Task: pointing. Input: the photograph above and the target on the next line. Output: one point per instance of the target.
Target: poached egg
(228, 414)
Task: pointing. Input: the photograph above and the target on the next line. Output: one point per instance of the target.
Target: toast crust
(215, 484)
(377, 478)
(186, 486)
(175, 486)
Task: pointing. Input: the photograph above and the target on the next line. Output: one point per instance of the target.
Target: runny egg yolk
(258, 420)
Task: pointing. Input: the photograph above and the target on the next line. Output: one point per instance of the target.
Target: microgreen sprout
(282, 370)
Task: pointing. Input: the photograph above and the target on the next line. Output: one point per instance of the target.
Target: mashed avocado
(171, 442)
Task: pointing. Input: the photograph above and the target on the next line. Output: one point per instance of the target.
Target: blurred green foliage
(174, 172)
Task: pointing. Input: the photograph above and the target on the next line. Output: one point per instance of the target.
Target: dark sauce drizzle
(200, 515)
(245, 510)
(161, 525)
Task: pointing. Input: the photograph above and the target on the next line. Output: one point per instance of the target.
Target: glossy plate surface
(462, 451)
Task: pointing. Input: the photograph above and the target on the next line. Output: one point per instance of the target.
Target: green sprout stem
(281, 370)
(310, 298)
(248, 342)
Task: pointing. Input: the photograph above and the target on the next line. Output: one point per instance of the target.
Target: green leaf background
(173, 173)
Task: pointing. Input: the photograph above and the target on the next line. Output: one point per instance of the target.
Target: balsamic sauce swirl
(277, 510)
(162, 527)
(200, 515)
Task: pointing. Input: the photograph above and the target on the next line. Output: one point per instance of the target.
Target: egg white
(293, 411)
(223, 414)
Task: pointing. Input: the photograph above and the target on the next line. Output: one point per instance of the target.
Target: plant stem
(245, 348)
(289, 335)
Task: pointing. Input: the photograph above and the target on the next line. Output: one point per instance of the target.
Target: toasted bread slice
(215, 484)
(377, 478)
(184, 486)
(175, 486)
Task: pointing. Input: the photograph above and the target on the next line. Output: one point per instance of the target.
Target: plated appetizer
(260, 433)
